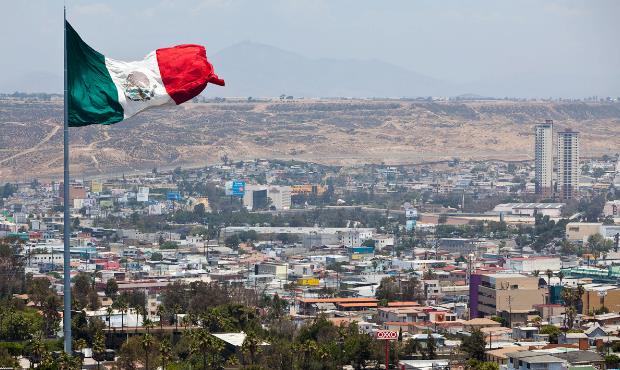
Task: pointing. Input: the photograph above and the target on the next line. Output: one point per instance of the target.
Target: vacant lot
(344, 132)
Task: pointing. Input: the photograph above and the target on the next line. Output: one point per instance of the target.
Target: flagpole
(67, 221)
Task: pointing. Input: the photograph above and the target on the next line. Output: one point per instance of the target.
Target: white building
(530, 264)
(543, 154)
(261, 196)
(55, 258)
(530, 209)
(280, 197)
(355, 237)
(382, 241)
(568, 164)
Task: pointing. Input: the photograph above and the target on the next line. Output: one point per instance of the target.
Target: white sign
(143, 195)
(387, 335)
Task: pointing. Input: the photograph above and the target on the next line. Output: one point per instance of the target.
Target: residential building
(355, 237)
(543, 156)
(530, 360)
(491, 294)
(276, 269)
(597, 296)
(612, 208)
(568, 164)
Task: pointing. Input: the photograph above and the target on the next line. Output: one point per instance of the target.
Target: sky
(534, 44)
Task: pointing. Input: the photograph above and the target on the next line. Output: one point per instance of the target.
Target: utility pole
(66, 221)
(510, 310)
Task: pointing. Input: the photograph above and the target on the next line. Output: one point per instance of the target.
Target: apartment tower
(543, 154)
(568, 164)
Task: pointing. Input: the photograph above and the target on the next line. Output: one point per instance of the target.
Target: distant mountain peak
(255, 69)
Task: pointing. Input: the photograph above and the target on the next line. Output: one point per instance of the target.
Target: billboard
(363, 250)
(143, 195)
(173, 195)
(411, 213)
(238, 188)
(96, 187)
(308, 282)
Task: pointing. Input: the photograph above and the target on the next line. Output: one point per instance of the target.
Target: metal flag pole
(67, 223)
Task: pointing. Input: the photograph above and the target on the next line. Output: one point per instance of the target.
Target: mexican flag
(105, 91)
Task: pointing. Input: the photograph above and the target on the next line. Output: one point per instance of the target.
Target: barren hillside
(343, 132)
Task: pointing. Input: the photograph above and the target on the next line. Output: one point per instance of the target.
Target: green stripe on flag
(93, 97)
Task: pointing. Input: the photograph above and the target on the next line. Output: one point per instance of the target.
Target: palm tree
(68, 362)
(37, 349)
(147, 342)
(251, 346)
(161, 311)
(138, 309)
(122, 306)
(165, 352)
(147, 324)
(186, 321)
(549, 274)
(109, 311)
(561, 276)
(203, 343)
(176, 309)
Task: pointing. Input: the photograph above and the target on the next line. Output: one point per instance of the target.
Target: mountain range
(259, 70)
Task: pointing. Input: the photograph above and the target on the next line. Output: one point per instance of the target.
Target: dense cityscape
(309, 185)
(269, 264)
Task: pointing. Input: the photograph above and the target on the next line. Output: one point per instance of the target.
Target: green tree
(612, 361)
(51, 316)
(388, 289)
(473, 364)
(598, 244)
(121, 305)
(111, 288)
(251, 346)
(474, 345)
(551, 330)
(82, 287)
(165, 352)
(11, 268)
(572, 301)
(168, 245)
(147, 344)
(39, 289)
(357, 346)
(199, 210)
(161, 312)
(207, 347)
(549, 274)
(99, 348)
(431, 346)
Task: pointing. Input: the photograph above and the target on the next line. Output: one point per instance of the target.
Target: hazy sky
(572, 43)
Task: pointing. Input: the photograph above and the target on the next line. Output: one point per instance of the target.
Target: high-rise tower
(568, 164)
(543, 154)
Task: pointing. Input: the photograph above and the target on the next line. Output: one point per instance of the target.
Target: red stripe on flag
(185, 71)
